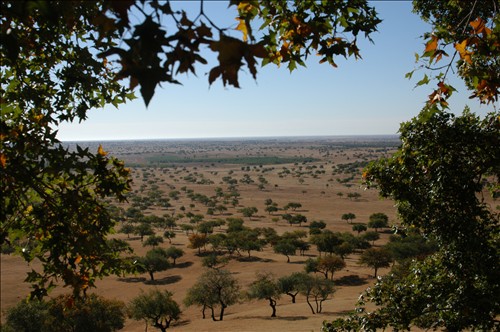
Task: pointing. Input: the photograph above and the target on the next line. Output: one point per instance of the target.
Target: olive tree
(265, 287)
(376, 258)
(155, 307)
(214, 288)
(155, 260)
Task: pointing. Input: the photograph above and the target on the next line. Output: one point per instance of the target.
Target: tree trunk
(292, 296)
(151, 275)
(310, 306)
(287, 259)
(213, 314)
(376, 269)
(160, 326)
(272, 303)
(223, 306)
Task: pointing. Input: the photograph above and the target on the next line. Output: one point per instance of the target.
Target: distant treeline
(247, 160)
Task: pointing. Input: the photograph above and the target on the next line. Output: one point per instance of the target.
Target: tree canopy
(155, 307)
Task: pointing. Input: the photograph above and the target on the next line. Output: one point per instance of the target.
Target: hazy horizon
(248, 138)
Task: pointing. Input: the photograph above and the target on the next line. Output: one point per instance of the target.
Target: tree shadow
(296, 262)
(132, 238)
(351, 280)
(254, 259)
(278, 317)
(164, 281)
(182, 265)
(132, 279)
(183, 322)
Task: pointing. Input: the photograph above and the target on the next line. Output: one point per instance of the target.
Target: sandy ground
(319, 200)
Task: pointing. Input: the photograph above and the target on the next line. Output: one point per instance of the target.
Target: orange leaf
(295, 20)
(478, 25)
(100, 151)
(3, 160)
(431, 44)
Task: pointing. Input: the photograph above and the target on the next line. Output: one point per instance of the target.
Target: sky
(361, 97)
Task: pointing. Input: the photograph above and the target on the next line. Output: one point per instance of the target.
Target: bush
(28, 316)
(64, 313)
(95, 313)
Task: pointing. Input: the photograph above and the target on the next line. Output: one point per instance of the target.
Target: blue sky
(365, 97)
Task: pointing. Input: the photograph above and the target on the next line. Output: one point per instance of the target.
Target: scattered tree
(327, 264)
(127, 228)
(349, 217)
(318, 289)
(265, 287)
(370, 236)
(174, 253)
(249, 212)
(197, 241)
(153, 241)
(292, 205)
(214, 288)
(155, 307)
(354, 196)
(359, 228)
(319, 225)
(271, 209)
(378, 220)
(214, 261)
(285, 247)
(144, 229)
(155, 261)
(376, 258)
(291, 284)
(170, 235)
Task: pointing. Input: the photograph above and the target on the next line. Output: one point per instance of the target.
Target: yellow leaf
(78, 259)
(100, 151)
(244, 7)
(462, 50)
(38, 118)
(242, 26)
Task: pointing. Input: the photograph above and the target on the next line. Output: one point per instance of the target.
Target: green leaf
(424, 80)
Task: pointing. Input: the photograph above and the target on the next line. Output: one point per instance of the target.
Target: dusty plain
(319, 173)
